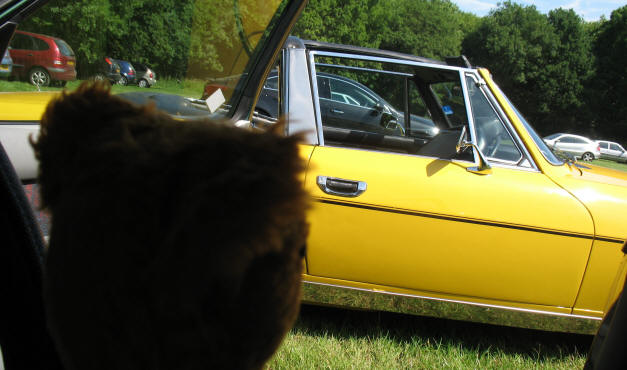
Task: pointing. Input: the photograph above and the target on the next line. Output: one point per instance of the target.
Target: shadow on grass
(532, 344)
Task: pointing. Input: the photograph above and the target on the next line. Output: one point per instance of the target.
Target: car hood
(603, 192)
(24, 106)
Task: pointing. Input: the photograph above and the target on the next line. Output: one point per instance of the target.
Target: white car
(613, 151)
(575, 145)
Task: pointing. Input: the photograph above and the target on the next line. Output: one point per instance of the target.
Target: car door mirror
(389, 122)
(483, 168)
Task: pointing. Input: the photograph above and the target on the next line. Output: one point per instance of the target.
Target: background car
(6, 66)
(612, 150)
(42, 59)
(107, 69)
(345, 99)
(145, 76)
(127, 72)
(575, 145)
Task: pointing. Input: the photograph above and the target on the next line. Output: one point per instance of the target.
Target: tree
(540, 62)
(609, 86)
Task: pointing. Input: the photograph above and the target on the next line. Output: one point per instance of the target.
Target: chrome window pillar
(297, 96)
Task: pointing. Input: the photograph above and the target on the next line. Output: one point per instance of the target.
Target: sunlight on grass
(339, 339)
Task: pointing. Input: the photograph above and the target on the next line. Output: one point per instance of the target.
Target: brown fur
(174, 245)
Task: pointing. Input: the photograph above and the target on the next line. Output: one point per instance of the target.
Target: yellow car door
(402, 212)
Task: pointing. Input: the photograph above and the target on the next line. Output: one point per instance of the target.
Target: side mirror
(389, 122)
(462, 143)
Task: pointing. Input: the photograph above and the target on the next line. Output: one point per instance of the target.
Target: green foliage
(542, 62)
(609, 87)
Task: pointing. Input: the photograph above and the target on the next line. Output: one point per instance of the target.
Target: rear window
(64, 48)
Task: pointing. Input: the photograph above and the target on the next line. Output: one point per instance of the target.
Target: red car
(41, 59)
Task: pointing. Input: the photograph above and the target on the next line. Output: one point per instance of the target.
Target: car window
(184, 46)
(572, 140)
(22, 42)
(40, 45)
(603, 145)
(391, 107)
(553, 136)
(64, 48)
(616, 147)
(493, 139)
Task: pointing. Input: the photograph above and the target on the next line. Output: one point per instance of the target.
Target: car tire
(39, 77)
(123, 81)
(587, 156)
(143, 83)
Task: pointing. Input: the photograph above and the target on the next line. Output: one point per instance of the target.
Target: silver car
(575, 145)
(613, 151)
(145, 77)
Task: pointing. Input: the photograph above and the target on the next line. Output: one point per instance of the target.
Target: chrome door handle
(341, 187)
(337, 111)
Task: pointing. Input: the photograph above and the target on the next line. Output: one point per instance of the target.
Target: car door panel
(430, 225)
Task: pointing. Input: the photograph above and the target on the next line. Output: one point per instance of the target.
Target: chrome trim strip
(316, 98)
(351, 297)
(391, 60)
(469, 115)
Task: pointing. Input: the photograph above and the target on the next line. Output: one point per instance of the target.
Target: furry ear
(76, 122)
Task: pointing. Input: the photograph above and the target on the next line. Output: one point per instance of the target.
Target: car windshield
(184, 46)
(537, 139)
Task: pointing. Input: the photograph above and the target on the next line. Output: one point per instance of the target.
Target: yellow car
(431, 193)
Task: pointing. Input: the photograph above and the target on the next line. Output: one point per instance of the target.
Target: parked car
(479, 222)
(42, 59)
(575, 145)
(345, 99)
(612, 150)
(145, 76)
(107, 69)
(6, 66)
(127, 72)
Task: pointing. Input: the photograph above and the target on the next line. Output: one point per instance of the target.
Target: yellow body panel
(24, 106)
(430, 225)
(603, 267)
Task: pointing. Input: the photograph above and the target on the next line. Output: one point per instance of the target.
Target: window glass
(451, 99)
(193, 55)
(22, 42)
(64, 48)
(616, 147)
(603, 145)
(40, 44)
(493, 139)
(553, 136)
(390, 107)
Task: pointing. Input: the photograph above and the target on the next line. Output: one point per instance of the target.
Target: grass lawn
(610, 164)
(330, 338)
(187, 88)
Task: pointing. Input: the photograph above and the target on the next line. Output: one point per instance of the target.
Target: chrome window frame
(525, 156)
(311, 54)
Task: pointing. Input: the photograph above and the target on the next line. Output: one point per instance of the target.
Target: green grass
(187, 88)
(328, 338)
(610, 164)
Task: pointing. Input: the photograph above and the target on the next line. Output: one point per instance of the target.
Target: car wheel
(123, 81)
(587, 156)
(39, 77)
(142, 83)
